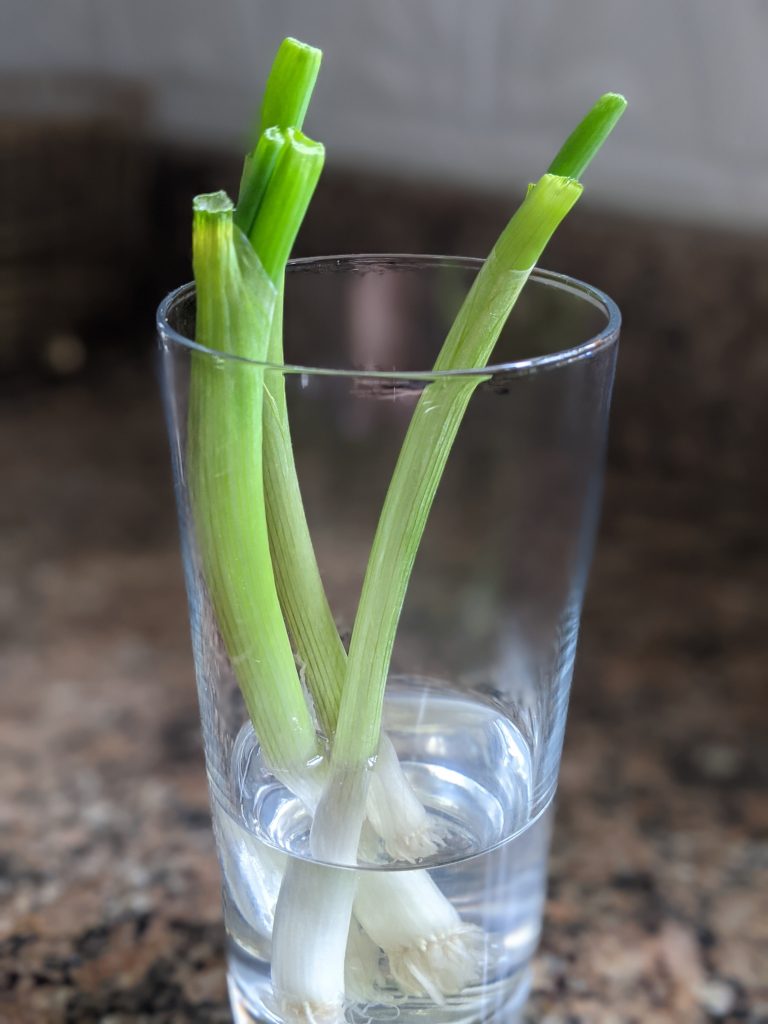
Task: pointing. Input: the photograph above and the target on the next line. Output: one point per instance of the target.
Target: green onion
(257, 170)
(226, 429)
(305, 972)
(285, 201)
(338, 819)
(235, 305)
(401, 820)
(290, 85)
(302, 596)
(436, 421)
(431, 433)
(581, 146)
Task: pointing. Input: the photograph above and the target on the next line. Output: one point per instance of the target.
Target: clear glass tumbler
(477, 696)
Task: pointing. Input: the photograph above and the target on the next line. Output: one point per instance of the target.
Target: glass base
(471, 770)
(501, 1003)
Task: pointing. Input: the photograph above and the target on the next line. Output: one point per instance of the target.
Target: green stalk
(299, 584)
(431, 433)
(285, 201)
(257, 170)
(286, 99)
(300, 587)
(579, 149)
(290, 84)
(235, 305)
(233, 279)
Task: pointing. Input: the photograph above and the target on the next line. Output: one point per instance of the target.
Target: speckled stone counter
(658, 908)
(658, 896)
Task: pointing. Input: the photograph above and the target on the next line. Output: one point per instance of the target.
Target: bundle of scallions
(262, 577)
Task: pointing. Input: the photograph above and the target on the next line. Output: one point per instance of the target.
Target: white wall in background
(474, 90)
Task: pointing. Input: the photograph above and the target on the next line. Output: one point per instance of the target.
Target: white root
(403, 914)
(440, 966)
(363, 976)
(431, 951)
(395, 812)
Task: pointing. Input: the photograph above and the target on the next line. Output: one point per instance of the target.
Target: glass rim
(604, 339)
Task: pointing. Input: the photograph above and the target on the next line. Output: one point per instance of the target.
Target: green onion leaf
(300, 588)
(428, 442)
(285, 201)
(286, 98)
(257, 170)
(235, 306)
(576, 153)
(290, 84)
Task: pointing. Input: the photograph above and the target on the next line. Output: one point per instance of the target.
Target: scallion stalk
(236, 300)
(235, 305)
(421, 951)
(285, 201)
(428, 442)
(257, 170)
(433, 427)
(290, 85)
(338, 819)
(307, 613)
(584, 142)
(401, 821)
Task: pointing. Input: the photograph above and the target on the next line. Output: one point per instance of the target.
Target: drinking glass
(476, 700)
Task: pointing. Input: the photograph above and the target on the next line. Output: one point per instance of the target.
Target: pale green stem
(302, 596)
(431, 433)
(235, 304)
(582, 145)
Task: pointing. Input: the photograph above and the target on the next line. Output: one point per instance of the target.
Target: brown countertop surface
(658, 906)
(658, 896)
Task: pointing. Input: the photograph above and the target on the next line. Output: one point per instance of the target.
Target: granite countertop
(658, 896)
(658, 906)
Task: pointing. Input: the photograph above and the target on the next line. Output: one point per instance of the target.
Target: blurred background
(435, 114)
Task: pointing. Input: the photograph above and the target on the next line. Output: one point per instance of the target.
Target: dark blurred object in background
(74, 166)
